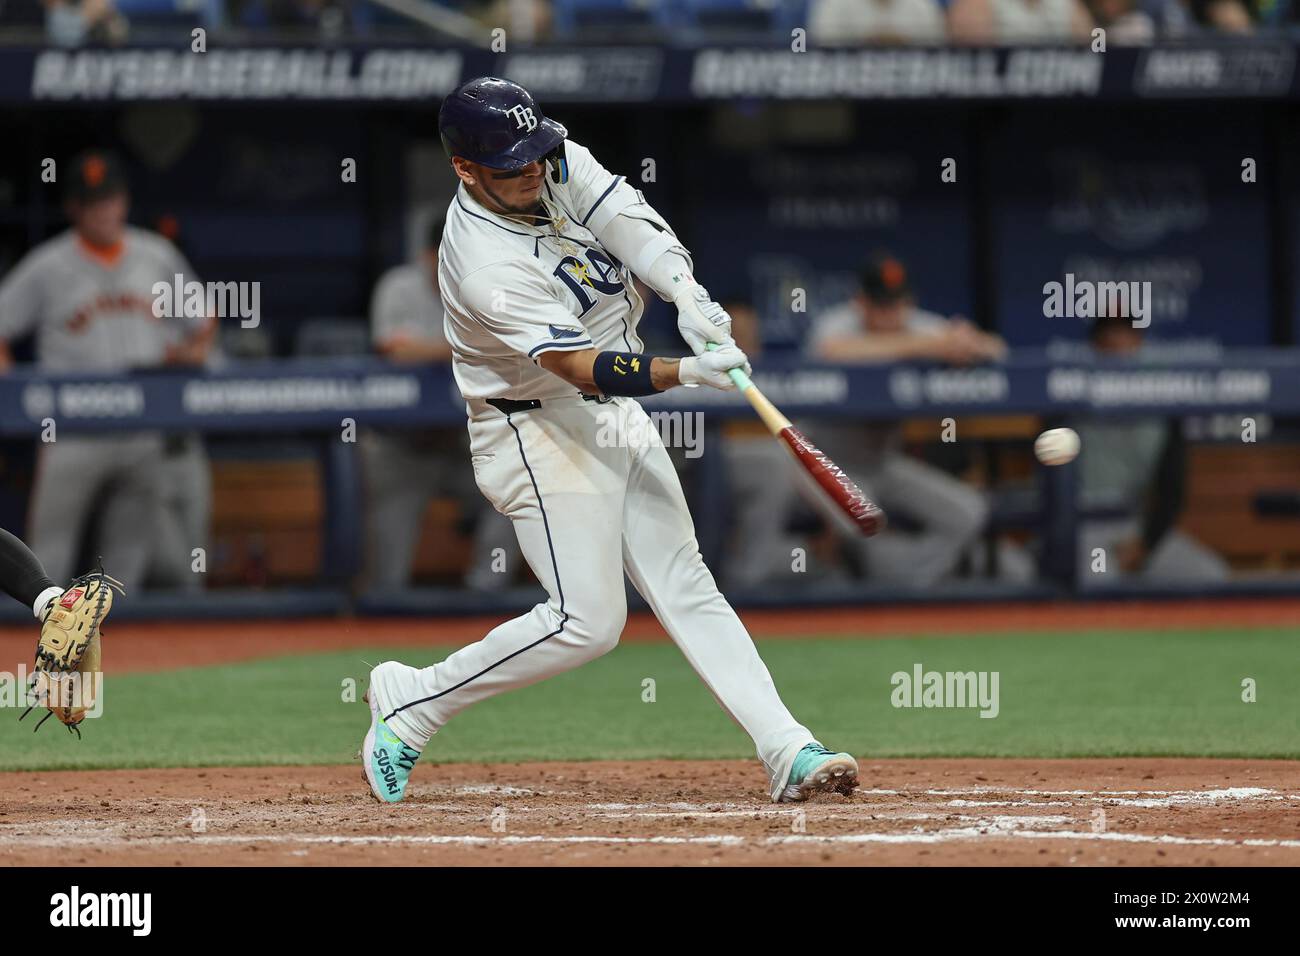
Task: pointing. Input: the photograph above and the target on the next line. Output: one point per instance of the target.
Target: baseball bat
(830, 477)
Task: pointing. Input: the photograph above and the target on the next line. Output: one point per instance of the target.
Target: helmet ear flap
(558, 165)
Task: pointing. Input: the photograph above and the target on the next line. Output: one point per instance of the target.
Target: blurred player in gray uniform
(87, 296)
(882, 324)
(185, 521)
(1138, 468)
(404, 468)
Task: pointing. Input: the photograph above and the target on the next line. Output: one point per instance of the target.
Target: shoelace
(407, 757)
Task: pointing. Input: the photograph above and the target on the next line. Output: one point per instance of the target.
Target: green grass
(1061, 695)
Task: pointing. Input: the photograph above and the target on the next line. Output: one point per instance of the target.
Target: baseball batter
(539, 251)
(87, 295)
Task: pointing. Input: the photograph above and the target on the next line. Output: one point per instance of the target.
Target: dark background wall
(771, 197)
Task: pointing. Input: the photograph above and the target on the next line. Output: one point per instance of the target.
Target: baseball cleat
(388, 762)
(818, 770)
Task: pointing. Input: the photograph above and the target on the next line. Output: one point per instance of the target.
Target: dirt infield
(1115, 811)
(154, 646)
(989, 812)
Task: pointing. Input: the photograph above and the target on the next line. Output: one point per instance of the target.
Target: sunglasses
(507, 174)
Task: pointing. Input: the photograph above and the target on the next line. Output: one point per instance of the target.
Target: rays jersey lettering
(596, 276)
(514, 290)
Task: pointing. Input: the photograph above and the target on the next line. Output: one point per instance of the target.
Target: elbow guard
(641, 237)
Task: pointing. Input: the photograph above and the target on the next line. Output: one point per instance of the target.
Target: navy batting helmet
(496, 123)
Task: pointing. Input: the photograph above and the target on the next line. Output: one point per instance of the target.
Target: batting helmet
(496, 123)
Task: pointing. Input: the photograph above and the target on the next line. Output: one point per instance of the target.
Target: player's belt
(512, 405)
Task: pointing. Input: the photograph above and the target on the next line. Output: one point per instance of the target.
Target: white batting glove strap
(701, 320)
(711, 368)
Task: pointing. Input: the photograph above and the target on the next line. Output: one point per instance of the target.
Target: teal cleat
(388, 762)
(818, 770)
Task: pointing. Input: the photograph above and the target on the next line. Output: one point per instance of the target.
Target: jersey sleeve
(20, 299)
(596, 195)
(623, 221)
(515, 304)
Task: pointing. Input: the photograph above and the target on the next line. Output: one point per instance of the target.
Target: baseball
(1057, 446)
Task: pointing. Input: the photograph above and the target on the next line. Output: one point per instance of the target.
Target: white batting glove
(700, 319)
(710, 368)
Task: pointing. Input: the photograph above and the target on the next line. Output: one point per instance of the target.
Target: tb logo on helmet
(523, 116)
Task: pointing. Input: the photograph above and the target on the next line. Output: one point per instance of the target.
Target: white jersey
(590, 500)
(513, 291)
(90, 313)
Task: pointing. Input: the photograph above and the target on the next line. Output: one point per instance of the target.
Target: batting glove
(700, 319)
(711, 368)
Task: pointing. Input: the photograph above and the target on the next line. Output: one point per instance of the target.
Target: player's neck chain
(553, 217)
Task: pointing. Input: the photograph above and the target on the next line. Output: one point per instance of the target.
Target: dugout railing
(310, 402)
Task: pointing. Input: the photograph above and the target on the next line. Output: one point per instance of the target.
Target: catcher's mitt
(67, 673)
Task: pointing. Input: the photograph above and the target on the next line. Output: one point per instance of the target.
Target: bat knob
(872, 519)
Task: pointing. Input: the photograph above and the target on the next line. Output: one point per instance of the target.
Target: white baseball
(1057, 446)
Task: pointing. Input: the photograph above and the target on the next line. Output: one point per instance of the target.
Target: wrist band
(623, 373)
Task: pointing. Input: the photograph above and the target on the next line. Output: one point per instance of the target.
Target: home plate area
(1112, 811)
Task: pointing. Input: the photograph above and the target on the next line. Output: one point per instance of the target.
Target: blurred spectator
(844, 22)
(1171, 18)
(1222, 16)
(1018, 21)
(1137, 467)
(331, 18)
(87, 294)
(1178, 19)
(1125, 23)
(524, 20)
(403, 468)
(882, 324)
(74, 22)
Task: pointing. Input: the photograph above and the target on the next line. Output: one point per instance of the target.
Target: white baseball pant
(592, 493)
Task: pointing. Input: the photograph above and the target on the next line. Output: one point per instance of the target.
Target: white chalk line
(499, 790)
(403, 839)
(966, 833)
(948, 835)
(1135, 798)
(1148, 797)
(992, 821)
(1009, 803)
(973, 828)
